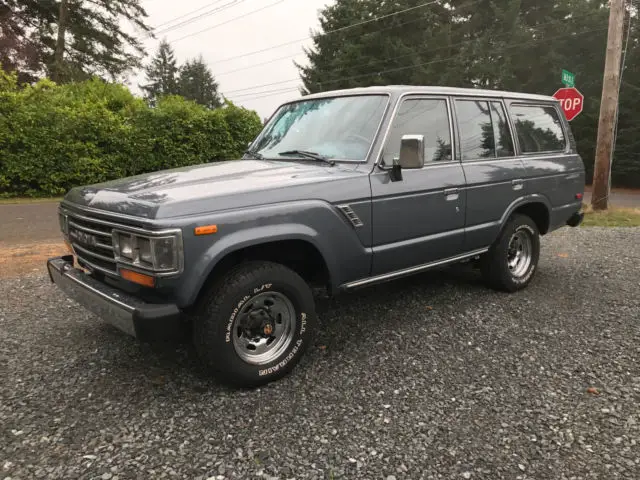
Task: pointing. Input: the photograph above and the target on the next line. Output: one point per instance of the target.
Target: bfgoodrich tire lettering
(255, 324)
(512, 260)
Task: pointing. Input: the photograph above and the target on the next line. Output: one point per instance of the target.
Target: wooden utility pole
(608, 107)
(60, 43)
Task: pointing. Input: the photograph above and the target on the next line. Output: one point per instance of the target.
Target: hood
(209, 187)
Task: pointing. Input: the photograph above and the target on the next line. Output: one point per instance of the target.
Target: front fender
(315, 222)
(256, 236)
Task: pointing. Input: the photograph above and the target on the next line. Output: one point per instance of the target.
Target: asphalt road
(620, 198)
(29, 222)
(433, 376)
(38, 222)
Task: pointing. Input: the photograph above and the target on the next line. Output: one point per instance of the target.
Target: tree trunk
(58, 68)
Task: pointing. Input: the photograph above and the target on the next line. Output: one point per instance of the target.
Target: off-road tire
(215, 316)
(494, 265)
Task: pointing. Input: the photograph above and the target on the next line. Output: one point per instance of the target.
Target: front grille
(92, 243)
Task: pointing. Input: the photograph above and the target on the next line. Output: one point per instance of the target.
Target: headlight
(125, 244)
(161, 253)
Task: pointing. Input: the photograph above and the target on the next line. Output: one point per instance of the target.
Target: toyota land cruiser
(343, 189)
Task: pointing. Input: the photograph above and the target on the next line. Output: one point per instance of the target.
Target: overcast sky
(285, 21)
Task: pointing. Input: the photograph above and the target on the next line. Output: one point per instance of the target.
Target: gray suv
(342, 189)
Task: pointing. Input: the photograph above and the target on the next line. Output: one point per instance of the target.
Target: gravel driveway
(429, 377)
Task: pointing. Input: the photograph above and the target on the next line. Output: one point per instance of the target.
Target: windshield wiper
(311, 155)
(255, 154)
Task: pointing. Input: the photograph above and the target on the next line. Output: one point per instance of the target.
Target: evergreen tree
(196, 83)
(162, 74)
(95, 40)
(495, 44)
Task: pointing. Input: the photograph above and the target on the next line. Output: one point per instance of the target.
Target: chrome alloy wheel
(520, 253)
(264, 328)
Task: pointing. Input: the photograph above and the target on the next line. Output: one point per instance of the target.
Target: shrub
(55, 137)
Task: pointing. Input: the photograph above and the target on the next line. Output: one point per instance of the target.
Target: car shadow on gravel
(343, 321)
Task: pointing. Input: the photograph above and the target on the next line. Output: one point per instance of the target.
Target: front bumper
(124, 311)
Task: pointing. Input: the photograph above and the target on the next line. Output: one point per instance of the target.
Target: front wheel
(255, 324)
(512, 260)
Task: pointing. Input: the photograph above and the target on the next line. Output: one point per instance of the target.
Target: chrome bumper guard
(126, 312)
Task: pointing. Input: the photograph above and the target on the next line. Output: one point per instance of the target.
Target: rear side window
(484, 130)
(501, 130)
(538, 128)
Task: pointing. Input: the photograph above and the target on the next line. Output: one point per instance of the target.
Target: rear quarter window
(539, 128)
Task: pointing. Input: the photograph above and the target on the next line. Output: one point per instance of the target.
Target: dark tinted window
(538, 128)
(476, 131)
(501, 131)
(421, 117)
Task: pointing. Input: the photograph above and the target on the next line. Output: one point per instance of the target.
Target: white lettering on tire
(283, 363)
(259, 289)
(233, 317)
(303, 322)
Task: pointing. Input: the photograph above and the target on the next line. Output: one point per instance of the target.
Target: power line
(188, 13)
(199, 17)
(347, 27)
(353, 77)
(257, 64)
(597, 12)
(286, 90)
(228, 21)
(364, 35)
(375, 62)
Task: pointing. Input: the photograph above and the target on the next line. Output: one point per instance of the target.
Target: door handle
(451, 193)
(517, 184)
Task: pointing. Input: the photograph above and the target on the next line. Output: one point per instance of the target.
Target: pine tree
(162, 74)
(95, 40)
(495, 44)
(196, 82)
(375, 53)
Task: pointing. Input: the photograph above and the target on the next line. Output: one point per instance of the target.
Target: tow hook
(575, 219)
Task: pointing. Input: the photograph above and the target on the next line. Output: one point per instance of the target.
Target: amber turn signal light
(206, 229)
(139, 278)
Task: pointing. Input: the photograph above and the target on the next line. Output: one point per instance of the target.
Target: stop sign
(571, 101)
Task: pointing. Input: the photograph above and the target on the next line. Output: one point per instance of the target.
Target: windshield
(339, 128)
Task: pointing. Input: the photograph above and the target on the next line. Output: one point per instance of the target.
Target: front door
(419, 219)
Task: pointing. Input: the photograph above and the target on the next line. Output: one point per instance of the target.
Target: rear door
(420, 218)
(494, 174)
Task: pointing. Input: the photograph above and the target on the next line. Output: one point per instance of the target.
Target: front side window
(339, 128)
(538, 128)
(428, 117)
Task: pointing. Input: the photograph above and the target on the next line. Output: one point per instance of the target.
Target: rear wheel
(512, 260)
(255, 324)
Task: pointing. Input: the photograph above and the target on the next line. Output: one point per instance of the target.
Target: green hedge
(55, 137)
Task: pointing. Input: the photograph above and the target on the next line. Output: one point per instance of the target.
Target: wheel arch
(294, 246)
(537, 207)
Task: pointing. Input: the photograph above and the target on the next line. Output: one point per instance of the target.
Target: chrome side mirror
(411, 156)
(411, 151)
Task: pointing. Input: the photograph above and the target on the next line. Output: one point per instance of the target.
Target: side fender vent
(351, 215)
